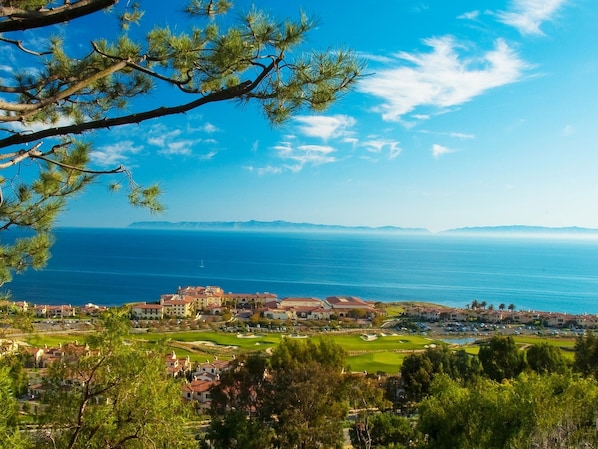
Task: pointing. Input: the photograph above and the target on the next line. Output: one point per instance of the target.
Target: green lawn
(217, 338)
(387, 362)
(382, 352)
(53, 339)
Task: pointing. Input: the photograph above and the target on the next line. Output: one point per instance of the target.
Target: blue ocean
(116, 266)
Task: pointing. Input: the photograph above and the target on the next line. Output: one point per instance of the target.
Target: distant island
(523, 230)
(280, 225)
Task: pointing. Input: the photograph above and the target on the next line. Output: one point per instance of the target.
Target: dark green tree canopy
(295, 399)
(61, 93)
(501, 358)
(544, 358)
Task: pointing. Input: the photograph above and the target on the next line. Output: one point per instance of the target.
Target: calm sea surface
(114, 266)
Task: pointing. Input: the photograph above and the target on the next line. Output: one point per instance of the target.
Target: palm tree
(475, 304)
(511, 307)
(483, 304)
(501, 306)
(491, 307)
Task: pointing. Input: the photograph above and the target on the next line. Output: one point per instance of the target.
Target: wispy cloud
(470, 15)
(453, 134)
(115, 154)
(296, 157)
(160, 137)
(204, 128)
(380, 146)
(171, 143)
(325, 127)
(441, 78)
(208, 156)
(209, 128)
(178, 148)
(528, 15)
(261, 171)
(439, 150)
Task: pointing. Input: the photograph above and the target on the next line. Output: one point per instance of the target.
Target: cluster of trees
(297, 398)
(503, 398)
(475, 304)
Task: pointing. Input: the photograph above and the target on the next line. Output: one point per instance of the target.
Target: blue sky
(472, 114)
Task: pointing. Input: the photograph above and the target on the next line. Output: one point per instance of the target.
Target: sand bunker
(211, 343)
(369, 337)
(247, 336)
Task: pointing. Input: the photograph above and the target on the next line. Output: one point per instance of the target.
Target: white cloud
(6, 68)
(528, 15)
(453, 134)
(439, 150)
(268, 170)
(178, 148)
(209, 128)
(208, 156)
(441, 78)
(170, 143)
(325, 127)
(297, 157)
(470, 15)
(461, 136)
(158, 136)
(115, 154)
(378, 145)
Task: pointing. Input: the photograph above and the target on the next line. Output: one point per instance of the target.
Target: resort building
(279, 314)
(250, 300)
(177, 307)
(342, 305)
(286, 303)
(198, 390)
(203, 297)
(215, 367)
(177, 367)
(144, 311)
(45, 311)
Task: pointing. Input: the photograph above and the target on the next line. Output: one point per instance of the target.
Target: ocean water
(115, 266)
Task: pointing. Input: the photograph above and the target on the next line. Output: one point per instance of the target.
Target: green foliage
(14, 371)
(501, 358)
(10, 437)
(384, 431)
(545, 359)
(537, 411)
(586, 355)
(419, 369)
(295, 399)
(111, 394)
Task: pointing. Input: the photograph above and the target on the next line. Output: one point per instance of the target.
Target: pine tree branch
(30, 108)
(237, 91)
(20, 46)
(17, 19)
